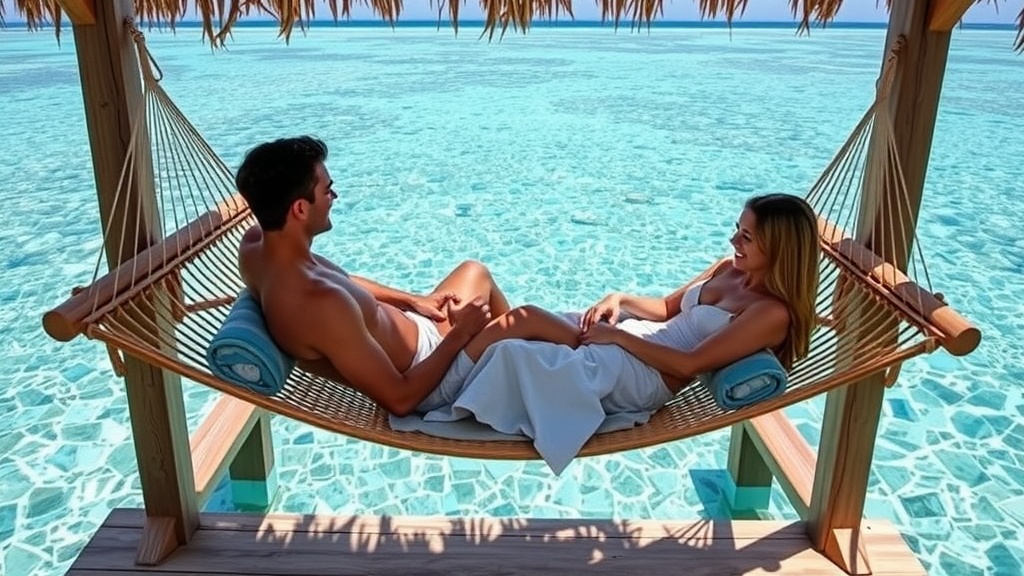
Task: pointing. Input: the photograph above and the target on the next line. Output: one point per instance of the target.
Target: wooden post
(750, 473)
(852, 412)
(841, 476)
(253, 481)
(111, 90)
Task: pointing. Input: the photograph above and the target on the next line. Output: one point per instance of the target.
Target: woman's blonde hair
(787, 231)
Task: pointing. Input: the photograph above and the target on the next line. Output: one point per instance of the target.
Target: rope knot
(884, 84)
(151, 71)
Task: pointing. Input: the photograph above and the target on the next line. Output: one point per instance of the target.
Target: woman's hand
(601, 333)
(434, 306)
(607, 309)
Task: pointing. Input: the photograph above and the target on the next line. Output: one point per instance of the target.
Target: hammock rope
(163, 304)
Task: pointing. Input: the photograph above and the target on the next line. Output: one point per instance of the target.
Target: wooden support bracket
(158, 540)
(944, 14)
(845, 547)
(217, 440)
(789, 457)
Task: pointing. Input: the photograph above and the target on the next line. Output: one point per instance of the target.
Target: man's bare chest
(364, 301)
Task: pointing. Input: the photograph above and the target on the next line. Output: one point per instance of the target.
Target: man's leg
(470, 280)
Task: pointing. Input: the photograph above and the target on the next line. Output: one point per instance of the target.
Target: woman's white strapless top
(686, 330)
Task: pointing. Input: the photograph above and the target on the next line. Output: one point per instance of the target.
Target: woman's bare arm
(644, 307)
(762, 325)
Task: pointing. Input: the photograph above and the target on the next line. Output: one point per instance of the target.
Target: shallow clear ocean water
(573, 161)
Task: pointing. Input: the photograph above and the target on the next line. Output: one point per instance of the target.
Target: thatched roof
(219, 17)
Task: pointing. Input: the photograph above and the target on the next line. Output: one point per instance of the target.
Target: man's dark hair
(276, 174)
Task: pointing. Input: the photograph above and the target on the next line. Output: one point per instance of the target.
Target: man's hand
(607, 309)
(434, 306)
(601, 334)
(470, 318)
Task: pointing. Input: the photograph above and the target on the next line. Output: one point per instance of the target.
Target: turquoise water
(573, 162)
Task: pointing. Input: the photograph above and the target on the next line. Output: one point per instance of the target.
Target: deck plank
(254, 545)
(131, 518)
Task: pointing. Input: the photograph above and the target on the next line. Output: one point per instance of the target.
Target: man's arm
(339, 332)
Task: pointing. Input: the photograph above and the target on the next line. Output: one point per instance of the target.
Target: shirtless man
(393, 346)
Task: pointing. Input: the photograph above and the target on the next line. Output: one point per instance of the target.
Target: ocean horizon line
(559, 23)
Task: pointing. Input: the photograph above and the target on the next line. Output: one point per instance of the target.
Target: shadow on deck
(255, 544)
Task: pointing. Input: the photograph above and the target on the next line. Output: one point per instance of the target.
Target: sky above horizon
(757, 11)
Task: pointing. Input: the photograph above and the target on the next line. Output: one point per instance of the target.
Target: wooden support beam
(913, 107)
(944, 14)
(767, 447)
(111, 90)
(841, 478)
(846, 448)
(253, 482)
(218, 439)
(746, 465)
(852, 412)
(750, 473)
(788, 456)
(256, 457)
(80, 12)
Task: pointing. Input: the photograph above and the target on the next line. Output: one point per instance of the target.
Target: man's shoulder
(301, 312)
(299, 294)
(309, 301)
(330, 265)
(253, 235)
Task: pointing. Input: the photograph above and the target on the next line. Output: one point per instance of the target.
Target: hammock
(164, 304)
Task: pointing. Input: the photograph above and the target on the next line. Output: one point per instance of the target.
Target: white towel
(557, 396)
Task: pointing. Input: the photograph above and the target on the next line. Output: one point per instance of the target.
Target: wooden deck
(252, 544)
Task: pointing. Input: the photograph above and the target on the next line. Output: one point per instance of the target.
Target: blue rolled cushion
(243, 353)
(747, 381)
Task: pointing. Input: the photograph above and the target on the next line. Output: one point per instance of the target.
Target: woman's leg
(524, 323)
(470, 280)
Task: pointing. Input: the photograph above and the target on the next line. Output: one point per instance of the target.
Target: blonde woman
(762, 297)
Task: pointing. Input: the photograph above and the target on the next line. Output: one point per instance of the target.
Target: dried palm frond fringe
(218, 18)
